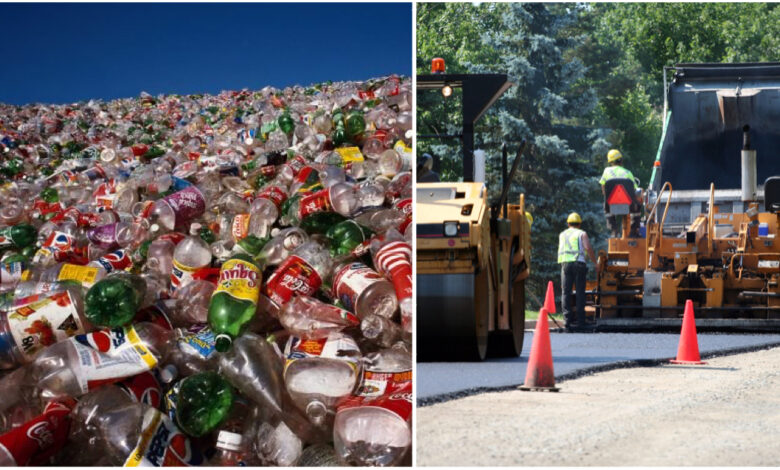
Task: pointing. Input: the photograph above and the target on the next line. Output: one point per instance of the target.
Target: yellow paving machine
(472, 257)
(711, 232)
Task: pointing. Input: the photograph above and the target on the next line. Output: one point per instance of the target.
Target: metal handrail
(663, 219)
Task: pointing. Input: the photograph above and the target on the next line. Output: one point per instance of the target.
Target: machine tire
(509, 343)
(453, 328)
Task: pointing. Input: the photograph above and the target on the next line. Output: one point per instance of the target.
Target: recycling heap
(208, 279)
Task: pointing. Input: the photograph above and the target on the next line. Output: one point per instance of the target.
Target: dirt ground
(724, 413)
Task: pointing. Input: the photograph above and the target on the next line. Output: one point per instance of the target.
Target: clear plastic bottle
(117, 430)
(363, 291)
(374, 431)
(310, 318)
(45, 320)
(279, 248)
(317, 377)
(190, 254)
(59, 371)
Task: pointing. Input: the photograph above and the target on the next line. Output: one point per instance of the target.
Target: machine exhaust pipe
(749, 176)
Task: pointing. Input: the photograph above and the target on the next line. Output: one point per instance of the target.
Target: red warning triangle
(619, 195)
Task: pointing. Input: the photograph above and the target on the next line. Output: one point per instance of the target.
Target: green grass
(534, 314)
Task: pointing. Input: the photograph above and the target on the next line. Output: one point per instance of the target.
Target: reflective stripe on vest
(614, 172)
(569, 245)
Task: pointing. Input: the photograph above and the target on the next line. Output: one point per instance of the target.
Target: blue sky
(61, 53)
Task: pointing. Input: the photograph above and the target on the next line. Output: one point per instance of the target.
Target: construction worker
(573, 244)
(425, 173)
(615, 170)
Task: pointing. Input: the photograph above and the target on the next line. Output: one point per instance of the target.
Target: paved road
(572, 354)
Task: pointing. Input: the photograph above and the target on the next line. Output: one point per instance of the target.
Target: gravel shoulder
(724, 413)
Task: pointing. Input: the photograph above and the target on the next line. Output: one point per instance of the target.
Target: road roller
(472, 257)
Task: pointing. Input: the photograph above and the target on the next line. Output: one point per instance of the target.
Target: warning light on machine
(437, 65)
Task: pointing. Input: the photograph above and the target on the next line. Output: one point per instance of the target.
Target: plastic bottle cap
(229, 441)
(194, 228)
(168, 373)
(154, 227)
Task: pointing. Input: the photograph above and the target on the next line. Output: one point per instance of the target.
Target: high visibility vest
(613, 172)
(569, 245)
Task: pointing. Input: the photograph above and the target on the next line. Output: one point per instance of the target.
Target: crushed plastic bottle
(220, 279)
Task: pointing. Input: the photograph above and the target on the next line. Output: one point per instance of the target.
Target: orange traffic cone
(549, 299)
(688, 350)
(539, 374)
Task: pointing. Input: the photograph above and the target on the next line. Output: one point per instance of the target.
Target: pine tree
(546, 108)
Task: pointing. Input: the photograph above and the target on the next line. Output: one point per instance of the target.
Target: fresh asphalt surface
(573, 355)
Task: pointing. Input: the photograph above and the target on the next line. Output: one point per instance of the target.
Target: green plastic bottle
(114, 300)
(17, 236)
(356, 125)
(321, 222)
(203, 403)
(286, 123)
(153, 152)
(252, 245)
(50, 195)
(234, 302)
(346, 236)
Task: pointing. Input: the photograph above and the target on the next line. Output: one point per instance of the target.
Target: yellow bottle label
(403, 149)
(240, 279)
(86, 275)
(350, 154)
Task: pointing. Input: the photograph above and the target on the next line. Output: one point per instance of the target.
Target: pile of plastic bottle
(208, 279)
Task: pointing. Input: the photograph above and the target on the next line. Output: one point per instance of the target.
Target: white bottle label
(107, 356)
(39, 321)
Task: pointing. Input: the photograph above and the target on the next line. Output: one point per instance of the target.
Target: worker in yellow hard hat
(615, 170)
(573, 245)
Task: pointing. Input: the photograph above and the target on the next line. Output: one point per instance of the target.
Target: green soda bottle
(252, 245)
(234, 302)
(203, 403)
(356, 125)
(50, 195)
(286, 123)
(114, 300)
(321, 222)
(346, 236)
(17, 236)
(153, 152)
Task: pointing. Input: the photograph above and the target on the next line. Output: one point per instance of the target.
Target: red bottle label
(293, 277)
(351, 281)
(297, 164)
(398, 400)
(115, 261)
(143, 388)
(40, 438)
(406, 207)
(313, 203)
(274, 194)
(394, 261)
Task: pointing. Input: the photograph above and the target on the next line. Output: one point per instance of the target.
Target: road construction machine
(472, 257)
(711, 229)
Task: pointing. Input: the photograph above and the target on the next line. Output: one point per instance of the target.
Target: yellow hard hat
(530, 218)
(614, 155)
(574, 218)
